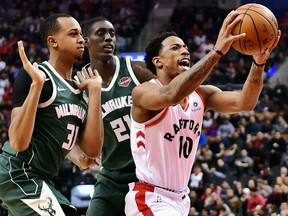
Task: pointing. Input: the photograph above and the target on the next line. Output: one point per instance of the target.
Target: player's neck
(64, 69)
(106, 69)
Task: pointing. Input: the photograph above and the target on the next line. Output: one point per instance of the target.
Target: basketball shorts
(110, 191)
(25, 191)
(146, 199)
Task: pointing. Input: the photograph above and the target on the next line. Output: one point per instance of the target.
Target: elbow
(92, 154)
(247, 107)
(95, 151)
(14, 143)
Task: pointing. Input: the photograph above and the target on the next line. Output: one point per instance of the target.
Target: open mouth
(185, 63)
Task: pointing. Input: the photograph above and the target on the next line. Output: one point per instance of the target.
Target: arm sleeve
(22, 87)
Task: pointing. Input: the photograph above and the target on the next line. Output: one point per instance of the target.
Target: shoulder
(143, 88)
(141, 72)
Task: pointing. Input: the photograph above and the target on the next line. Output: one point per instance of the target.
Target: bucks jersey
(58, 122)
(116, 104)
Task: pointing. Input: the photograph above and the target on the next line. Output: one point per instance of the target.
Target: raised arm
(187, 82)
(23, 118)
(245, 100)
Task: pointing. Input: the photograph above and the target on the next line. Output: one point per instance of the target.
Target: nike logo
(61, 89)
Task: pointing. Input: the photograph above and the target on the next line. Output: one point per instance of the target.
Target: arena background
(222, 185)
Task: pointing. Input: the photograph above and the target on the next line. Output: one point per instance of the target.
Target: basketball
(260, 25)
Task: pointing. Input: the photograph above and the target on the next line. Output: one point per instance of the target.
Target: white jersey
(164, 148)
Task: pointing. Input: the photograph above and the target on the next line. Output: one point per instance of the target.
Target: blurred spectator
(2, 64)
(284, 158)
(205, 157)
(177, 13)
(277, 147)
(280, 125)
(254, 201)
(211, 134)
(238, 188)
(257, 150)
(244, 201)
(237, 140)
(271, 210)
(264, 188)
(6, 48)
(121, 44)
(193, 211)
(280, 93)
(128, 32)
(200, 38)
(233, 201)
(265, 104)
(196, 177)
(221, 169)
(207, 120)
(244, 164)
(225, 128)
(253, 126)
(267, 90)
(275, 197)
(227, 153)
(266, 126)
(284, 209)
(195, 201)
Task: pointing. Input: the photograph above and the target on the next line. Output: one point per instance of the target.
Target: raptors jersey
(164, 148)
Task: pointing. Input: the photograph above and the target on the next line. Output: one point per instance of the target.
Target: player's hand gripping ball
(261, 27)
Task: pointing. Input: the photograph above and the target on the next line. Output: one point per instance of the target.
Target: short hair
(50, 26)
(88, 25)
(153, 48)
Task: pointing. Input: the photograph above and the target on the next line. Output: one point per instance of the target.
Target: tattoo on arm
(255, 75)
(196, 75)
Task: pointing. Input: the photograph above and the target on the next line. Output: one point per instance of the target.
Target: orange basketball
(260, 26)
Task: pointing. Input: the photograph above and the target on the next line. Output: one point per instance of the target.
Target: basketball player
(49, 116)
(120, 75)
(166, 119)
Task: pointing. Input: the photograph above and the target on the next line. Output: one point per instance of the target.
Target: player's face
(174, 56)
(102, 39)
(69, 38)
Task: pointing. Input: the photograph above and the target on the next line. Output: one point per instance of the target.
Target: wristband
(258, 65)
(218, 51)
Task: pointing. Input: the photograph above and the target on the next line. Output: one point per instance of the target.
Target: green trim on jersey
(116, 103)
(57, 124)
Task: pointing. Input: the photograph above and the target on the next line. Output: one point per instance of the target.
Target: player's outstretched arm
(181, 86)
(245, 100)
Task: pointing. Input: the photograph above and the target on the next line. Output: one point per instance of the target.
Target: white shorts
(147, 200)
